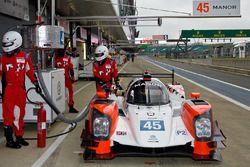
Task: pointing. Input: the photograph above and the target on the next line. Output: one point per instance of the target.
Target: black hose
(30, 101)
(73, 126)
(49, 101)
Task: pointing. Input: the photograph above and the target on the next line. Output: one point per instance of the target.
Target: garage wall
(7, 21)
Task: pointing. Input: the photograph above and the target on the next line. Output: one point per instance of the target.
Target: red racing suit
(104, 73)
(65, 62)
(13, 70)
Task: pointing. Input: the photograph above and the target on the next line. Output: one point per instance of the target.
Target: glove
(72, 79)
(38, 89)
(117, 84)
(71, 72)
(106, 89)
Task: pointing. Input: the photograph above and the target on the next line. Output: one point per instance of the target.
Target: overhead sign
(144, 46)
(160, 37)
(216, 7)
(147, 40)
(243, 33)
(19, 9)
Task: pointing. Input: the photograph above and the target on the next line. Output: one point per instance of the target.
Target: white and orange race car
(151, 119)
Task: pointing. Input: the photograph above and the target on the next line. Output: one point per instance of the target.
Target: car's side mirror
(195, 95)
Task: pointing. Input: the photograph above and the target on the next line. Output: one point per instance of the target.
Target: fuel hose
(46, 97)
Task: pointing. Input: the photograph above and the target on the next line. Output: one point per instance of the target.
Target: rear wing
(146, 74)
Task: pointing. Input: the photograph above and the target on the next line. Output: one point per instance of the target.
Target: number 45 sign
(216, 7)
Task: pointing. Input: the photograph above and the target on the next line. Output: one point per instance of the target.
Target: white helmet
(101, 52)
(11, 41)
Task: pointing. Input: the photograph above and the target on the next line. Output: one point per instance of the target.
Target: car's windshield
(147, 93)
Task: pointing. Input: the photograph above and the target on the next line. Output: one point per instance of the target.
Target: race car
(153, 119)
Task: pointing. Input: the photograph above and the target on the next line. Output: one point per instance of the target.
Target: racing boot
(21, 141)
(72, 109)
(9, 138)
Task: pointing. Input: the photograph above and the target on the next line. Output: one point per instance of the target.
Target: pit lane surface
(229, 77)
(233, 120)
(237, 94)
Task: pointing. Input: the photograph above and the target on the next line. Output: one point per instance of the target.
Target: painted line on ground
(123, 66)
(206, 88)
(2, 139)
(45, 156)
(79, 90)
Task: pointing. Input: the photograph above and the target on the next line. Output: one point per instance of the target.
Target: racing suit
(104, 73)
(65, 63)
(13, 70)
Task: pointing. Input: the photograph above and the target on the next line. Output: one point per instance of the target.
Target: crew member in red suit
(14, 65)
(62, 60)
(104, 70)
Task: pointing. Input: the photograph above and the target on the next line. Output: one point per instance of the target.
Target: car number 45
(152, 125)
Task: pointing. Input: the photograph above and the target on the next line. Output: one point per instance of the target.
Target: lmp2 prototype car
(151, 119)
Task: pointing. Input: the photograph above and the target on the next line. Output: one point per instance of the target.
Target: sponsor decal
(181, 132)
(59, 88)
(58, 98)
(153, 139)
(108, 66)
(62, 38)
(121, 133)
(150, 114)
(108, 71)
(9, 66)
(100, 73)
(59, 91)
(20, 60)
(148, 83)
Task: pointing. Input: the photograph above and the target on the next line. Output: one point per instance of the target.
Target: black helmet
(60, 52)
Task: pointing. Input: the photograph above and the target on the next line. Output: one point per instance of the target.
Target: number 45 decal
(203, 7)
(152, 125)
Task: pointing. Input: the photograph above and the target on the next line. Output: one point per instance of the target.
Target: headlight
(101, 127)
(203, 128)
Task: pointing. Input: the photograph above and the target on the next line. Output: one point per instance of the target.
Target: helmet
(11, 41)
(101, 52)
